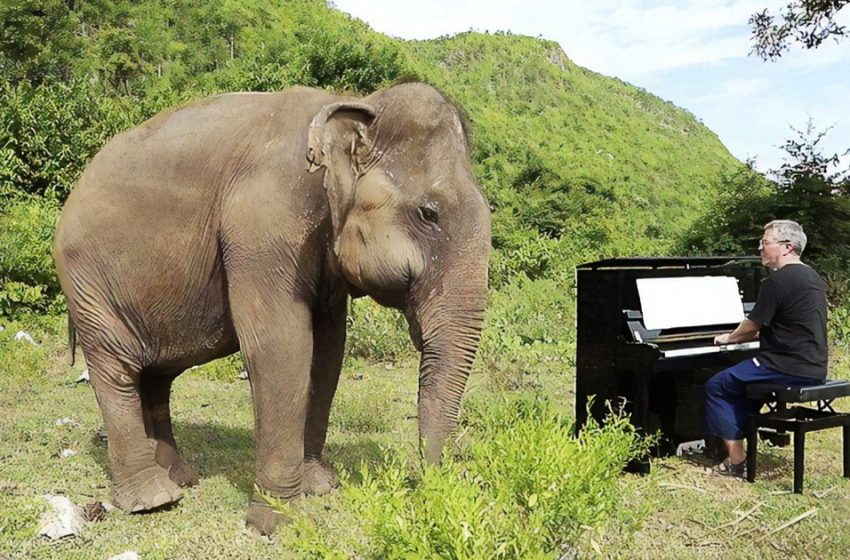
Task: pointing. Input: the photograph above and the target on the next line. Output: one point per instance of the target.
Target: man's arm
(748, 330)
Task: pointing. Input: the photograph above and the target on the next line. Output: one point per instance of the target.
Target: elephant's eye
(428, 214)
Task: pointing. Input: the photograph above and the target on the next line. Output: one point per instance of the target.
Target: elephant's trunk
(450, 332)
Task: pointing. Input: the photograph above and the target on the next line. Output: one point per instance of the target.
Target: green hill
(564, 151)
(546, 124)
(576, 165)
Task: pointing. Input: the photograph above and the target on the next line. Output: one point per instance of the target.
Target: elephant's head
(411, 229)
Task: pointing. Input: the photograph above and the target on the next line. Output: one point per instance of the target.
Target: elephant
(246, 222)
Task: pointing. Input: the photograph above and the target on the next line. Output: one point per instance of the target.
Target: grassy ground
(681, 510)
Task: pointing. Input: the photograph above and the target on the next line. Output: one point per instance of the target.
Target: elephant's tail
(72, 339)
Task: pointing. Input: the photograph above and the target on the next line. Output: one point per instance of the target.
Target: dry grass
(692, 514)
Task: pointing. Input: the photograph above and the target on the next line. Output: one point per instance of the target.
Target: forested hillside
(576, 165)
(563, 151)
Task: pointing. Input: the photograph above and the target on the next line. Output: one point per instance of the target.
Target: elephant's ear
(338, 140)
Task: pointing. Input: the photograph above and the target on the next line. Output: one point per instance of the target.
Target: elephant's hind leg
(140, 483)
(155, 392)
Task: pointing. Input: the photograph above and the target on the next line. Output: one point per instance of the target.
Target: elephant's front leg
(275, 333)
(328, 347)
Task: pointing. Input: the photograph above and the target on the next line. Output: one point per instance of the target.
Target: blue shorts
(726, 406)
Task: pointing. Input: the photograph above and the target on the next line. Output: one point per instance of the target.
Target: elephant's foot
(319, 477)
(182, 474)
(145, 490)
(263, 517)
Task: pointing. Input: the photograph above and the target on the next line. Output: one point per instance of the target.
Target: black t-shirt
(791, 313)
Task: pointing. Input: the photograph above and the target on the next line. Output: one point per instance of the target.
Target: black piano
(645, 338)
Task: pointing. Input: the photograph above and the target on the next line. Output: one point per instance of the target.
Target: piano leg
(752, 449)
(845, 436)
(799, 458)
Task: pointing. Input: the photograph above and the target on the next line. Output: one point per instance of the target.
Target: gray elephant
(245, 221)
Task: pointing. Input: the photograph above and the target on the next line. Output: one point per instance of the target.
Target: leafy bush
(224, 369)
(839, 324)
(529, 328)
(734, 216)
(376, 333)
(344, 60)
(27, 273)
(523, 487)
(49, 132)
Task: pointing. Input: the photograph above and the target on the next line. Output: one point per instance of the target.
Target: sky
(694, 53)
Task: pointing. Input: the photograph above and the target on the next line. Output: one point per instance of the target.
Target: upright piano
(645, 338)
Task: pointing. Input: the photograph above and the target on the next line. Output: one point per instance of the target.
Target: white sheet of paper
(690, 301)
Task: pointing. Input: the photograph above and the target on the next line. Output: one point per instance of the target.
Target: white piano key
(680, 352)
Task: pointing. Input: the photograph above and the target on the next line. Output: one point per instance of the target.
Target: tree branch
(809, 22)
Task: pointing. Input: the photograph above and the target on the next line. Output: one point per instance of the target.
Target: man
(789, 319)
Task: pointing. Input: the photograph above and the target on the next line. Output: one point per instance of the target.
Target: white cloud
(728, 90)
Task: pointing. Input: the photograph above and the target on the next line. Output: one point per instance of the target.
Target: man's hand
(722, 338)
(745, 332)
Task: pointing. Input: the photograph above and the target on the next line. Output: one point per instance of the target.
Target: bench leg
(799, 459)
(752, 448)
(845, 437)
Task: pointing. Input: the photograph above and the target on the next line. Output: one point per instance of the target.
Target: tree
(814, 190)
(809, 187)
(809, 22)
(37, 40)
(743, 202)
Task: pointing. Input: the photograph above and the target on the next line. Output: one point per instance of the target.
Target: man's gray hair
(790, 231)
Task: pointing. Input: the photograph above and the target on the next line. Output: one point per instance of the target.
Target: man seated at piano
(789, 319)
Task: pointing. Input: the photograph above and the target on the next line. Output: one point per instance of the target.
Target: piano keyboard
(679, 352)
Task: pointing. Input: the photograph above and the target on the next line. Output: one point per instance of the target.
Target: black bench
(796, 419)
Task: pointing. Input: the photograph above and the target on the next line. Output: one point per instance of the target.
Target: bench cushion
(773, 392)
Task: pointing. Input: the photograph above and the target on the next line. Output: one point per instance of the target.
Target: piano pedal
(690, 447)
(777, 439)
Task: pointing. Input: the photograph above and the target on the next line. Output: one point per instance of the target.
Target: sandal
(728, 468)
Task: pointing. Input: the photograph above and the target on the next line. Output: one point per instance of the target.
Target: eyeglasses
(765, 242)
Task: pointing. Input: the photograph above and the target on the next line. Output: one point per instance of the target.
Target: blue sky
(693, 53)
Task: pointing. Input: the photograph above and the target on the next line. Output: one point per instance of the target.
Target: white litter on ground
(25, 336)
(64, 519)
(67, 453)
(84, 377)
(243, 375)
(129, 555)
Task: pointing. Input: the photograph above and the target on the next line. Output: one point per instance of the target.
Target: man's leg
(735, 450)
(727, 407)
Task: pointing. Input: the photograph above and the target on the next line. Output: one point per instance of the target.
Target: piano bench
(797, 419)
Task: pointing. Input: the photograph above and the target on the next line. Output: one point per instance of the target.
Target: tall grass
(521, 485)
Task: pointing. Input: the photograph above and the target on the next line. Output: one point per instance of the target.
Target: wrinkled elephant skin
(245, 222)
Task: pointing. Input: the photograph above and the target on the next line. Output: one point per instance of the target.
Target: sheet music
(689, 301)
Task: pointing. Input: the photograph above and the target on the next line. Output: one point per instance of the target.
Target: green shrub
(28, 280)
(530, 327)
(531, 256)
(839, 324)
(523, 487)
(376, 333)
(224, 369)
